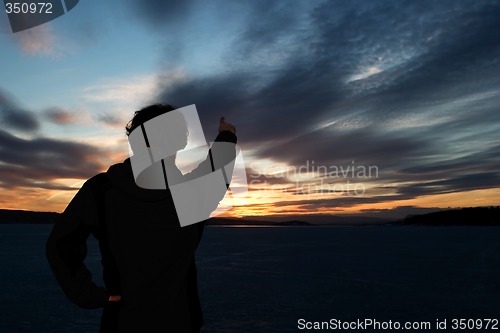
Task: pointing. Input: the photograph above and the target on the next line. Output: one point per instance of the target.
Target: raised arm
(221, 154)
(200, 191)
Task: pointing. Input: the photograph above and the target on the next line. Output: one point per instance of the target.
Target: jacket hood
(122, 179)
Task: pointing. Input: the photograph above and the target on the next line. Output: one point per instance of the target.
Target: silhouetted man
(148, 260)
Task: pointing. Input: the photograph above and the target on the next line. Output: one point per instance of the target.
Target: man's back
(154, 255)
(147, 257)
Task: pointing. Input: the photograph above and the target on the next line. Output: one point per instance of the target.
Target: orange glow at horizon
(261, 200)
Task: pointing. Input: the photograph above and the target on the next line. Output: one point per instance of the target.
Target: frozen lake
(265, 279)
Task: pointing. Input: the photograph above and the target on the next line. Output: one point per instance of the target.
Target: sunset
(413, 94)
(234, 166)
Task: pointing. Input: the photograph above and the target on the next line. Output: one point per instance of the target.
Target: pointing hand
(223, 126)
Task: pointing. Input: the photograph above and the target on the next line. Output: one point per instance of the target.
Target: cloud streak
(39, 162)
(60, 116)
(16, 117)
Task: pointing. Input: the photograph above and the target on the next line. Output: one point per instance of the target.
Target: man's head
(175, 128)
(145, 114)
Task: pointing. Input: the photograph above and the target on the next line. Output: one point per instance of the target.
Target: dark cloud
(15, 117)
(159, 13)
(483, 180)
(462, 59)
(38, 162)
(487, 160)
(310, 82)
(329, 147)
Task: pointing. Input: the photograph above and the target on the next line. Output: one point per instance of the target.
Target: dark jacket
(147, 257)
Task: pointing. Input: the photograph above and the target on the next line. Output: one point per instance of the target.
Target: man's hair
(145, 114)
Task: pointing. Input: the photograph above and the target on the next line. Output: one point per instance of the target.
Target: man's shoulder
(98, 183)
(97, 178)
(105, 176)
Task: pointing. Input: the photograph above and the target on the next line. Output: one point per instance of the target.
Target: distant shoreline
(476, 216)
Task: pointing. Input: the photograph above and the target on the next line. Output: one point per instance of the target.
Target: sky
(380, 108)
